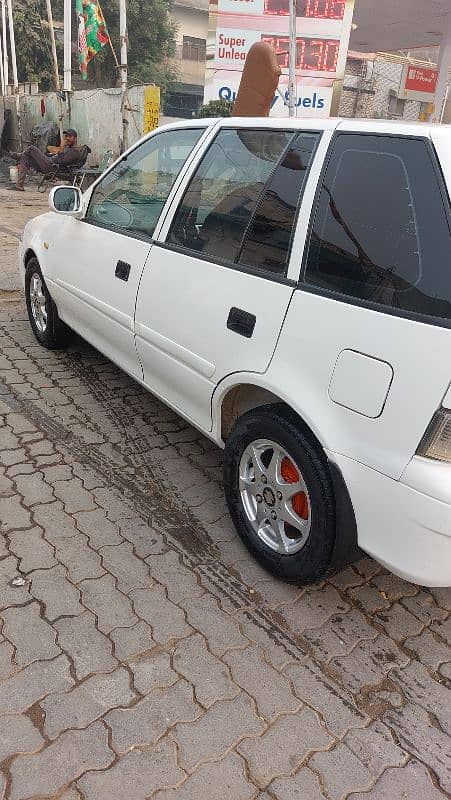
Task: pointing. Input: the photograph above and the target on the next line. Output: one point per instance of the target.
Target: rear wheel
(280, 494)
(49, 330)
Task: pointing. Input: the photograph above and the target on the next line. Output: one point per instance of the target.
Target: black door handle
(122, 270)
(241, 322)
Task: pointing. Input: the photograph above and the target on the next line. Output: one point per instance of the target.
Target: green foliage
(151, 44)
(32, 43)
(217, 108)
(151, 35)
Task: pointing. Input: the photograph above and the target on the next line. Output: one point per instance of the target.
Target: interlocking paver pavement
(88, 648)
(284, 746)
(87, 702)
(151, 718)
(62, 761)
(210, 677)
(222, 780)
(146, 655)
(32, 637)
(136, 776)
(410, 783)
(19, 736)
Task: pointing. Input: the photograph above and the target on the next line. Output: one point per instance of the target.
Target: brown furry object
(258, 83)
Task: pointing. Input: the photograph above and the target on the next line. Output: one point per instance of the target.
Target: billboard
(322, 38)
(418, 83)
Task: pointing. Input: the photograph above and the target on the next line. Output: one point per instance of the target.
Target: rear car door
(215, 291)
(372, 313)
(96, 263)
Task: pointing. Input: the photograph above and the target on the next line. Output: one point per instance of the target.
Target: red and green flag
(92, 32)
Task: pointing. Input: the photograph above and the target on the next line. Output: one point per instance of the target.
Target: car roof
(324, 123)
(440, 134)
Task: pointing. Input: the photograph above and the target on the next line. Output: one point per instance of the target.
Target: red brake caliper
(291, 475)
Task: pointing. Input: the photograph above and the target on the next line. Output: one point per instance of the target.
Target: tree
(151, 35)
(151, 44)
(34, 58)
(217, 108)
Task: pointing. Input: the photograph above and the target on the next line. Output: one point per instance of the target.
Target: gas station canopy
(399, 24)
(404, 25)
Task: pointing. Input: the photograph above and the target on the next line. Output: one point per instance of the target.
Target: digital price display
(312, 9)
(323, 28)
(317, 55)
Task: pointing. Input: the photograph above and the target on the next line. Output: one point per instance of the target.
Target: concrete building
(191, 18)
(372, 86)
(373, 78)
(394, 26)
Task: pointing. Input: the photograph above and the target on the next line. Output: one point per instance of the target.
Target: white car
(285, 285)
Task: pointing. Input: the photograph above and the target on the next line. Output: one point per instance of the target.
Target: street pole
(5, 46)
(124, 71)
(67, 46)
(2, 73)
(292, 59)
(56, 76)
(445, 101)
(12, 42)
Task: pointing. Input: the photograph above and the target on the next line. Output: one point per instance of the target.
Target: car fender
(346, 547)
(35, 239)
(261, 381)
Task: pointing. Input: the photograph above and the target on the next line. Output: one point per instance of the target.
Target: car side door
(372, 311)
(214, 291)
(96, 262)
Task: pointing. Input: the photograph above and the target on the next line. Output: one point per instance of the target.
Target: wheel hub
(269, 497)
(38, 302)
(275, 497)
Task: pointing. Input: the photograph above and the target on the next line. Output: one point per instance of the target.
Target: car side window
(132, 195)
(268, 240)
(380, 231)
(224, 192)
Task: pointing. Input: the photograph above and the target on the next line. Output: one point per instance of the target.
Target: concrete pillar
(444, 65)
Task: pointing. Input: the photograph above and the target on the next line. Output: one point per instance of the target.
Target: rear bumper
(405, 529)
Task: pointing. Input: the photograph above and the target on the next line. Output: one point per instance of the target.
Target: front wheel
(280, 494)
(42, 312)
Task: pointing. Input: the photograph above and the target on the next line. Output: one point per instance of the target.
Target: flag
(92, 32)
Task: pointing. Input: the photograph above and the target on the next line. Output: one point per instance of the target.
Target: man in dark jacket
(32, 158)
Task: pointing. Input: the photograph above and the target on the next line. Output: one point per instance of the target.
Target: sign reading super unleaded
(322, 36)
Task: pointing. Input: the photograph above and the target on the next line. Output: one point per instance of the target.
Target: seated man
(32, 158)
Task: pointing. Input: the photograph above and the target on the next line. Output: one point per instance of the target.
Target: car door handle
(122, 270)
(241, 322)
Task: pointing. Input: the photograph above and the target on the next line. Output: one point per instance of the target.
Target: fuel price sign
(322, 38)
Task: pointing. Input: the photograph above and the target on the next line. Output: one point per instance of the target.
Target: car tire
(47, 327)
(300, 552)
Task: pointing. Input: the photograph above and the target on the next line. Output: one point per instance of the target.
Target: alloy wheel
(275, 497)
(38, 302)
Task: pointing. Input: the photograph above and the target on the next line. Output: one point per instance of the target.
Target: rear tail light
(436, 442)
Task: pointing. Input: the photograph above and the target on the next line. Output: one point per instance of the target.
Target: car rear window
(268, 240)
(380, 230)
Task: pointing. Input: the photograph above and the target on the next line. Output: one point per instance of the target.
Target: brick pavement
(143, 653)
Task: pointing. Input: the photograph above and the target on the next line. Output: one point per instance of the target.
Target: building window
(356, 67)
(193, 49)
(396, 106)
(182, 104)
